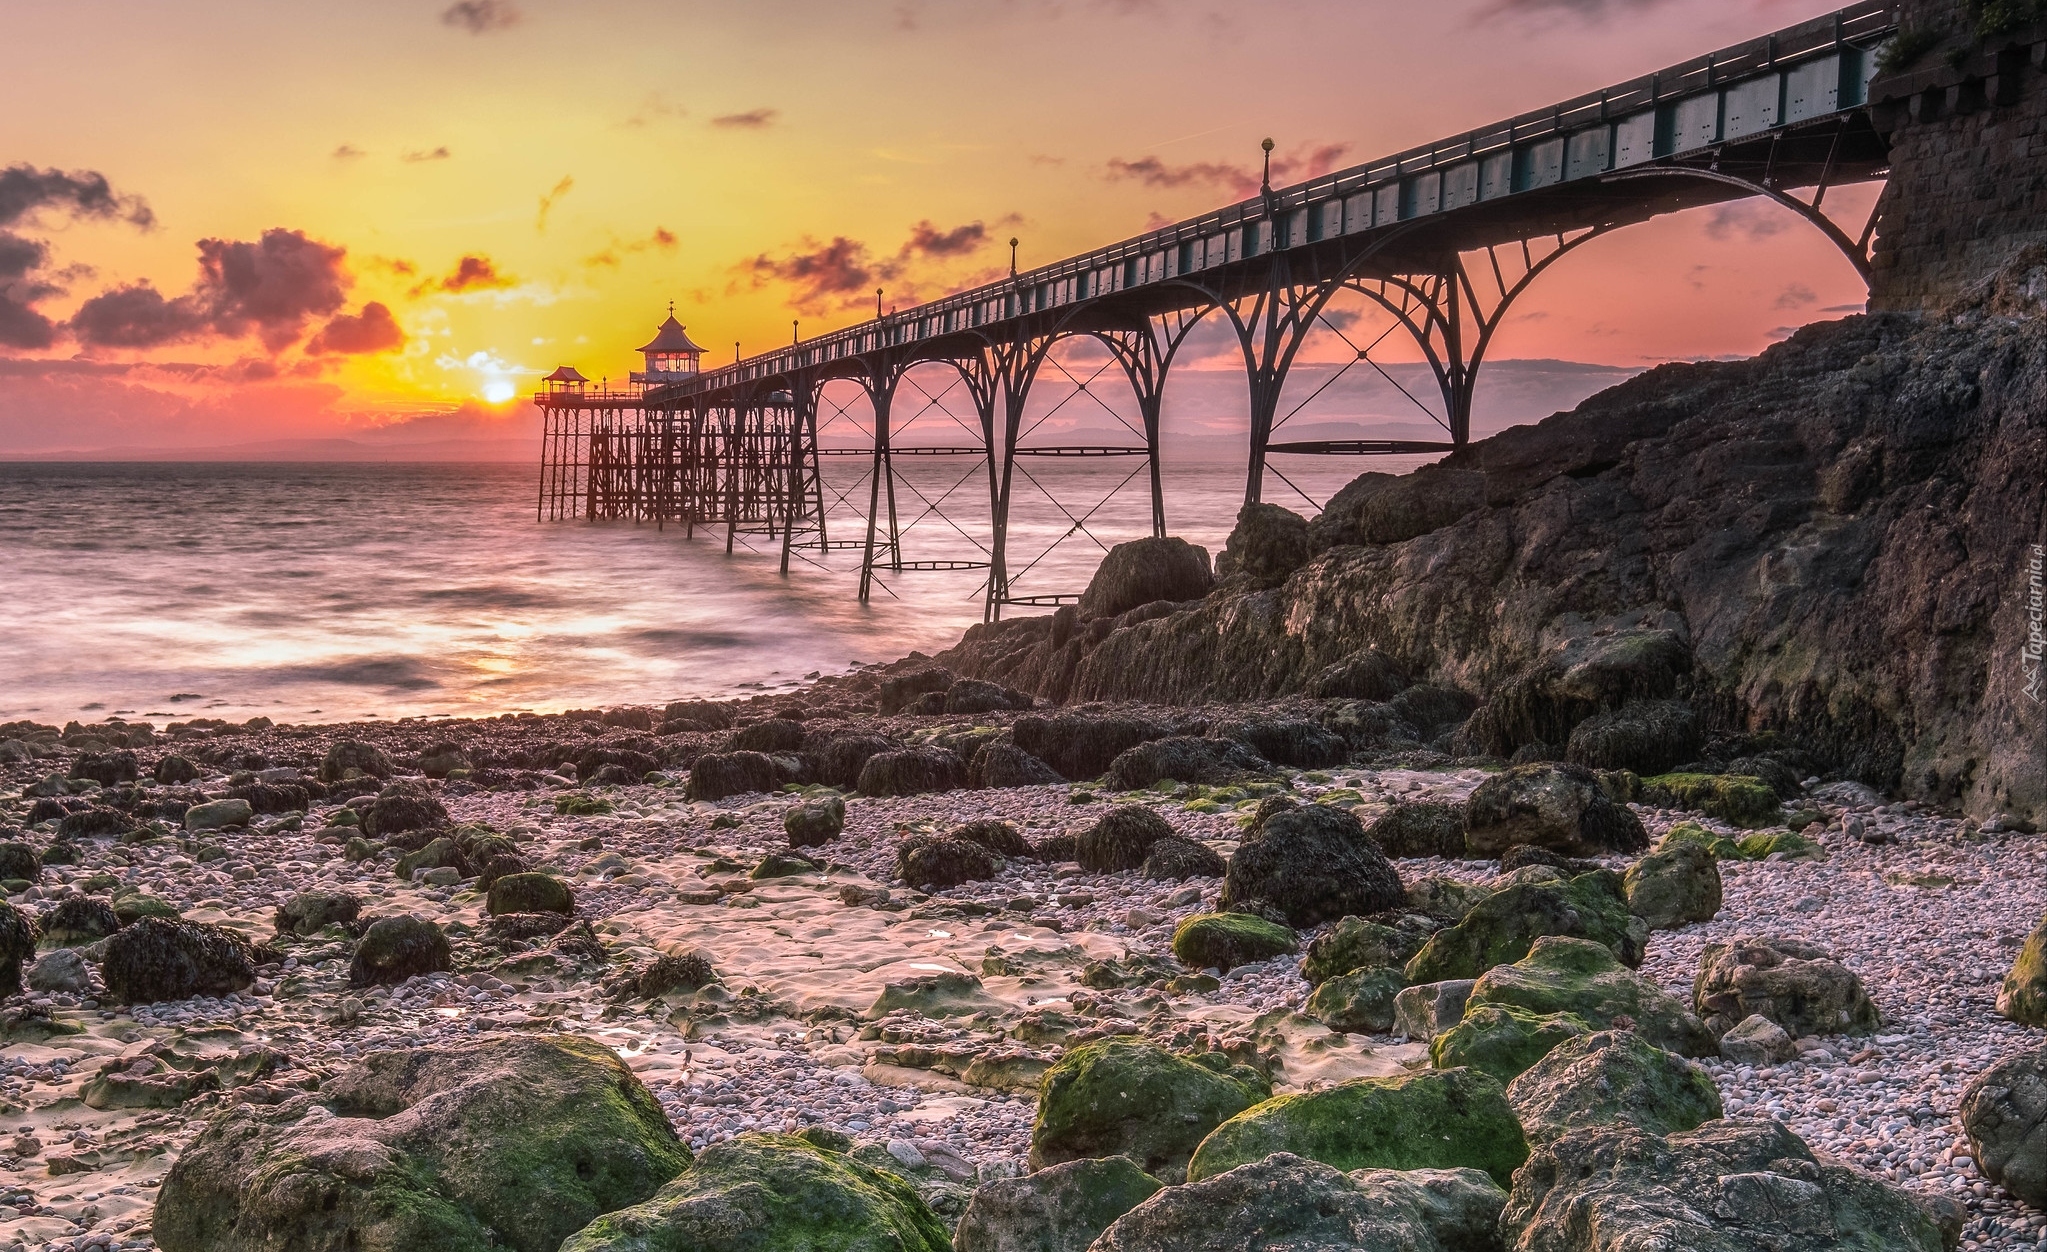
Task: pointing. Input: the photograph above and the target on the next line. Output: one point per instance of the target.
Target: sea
(344, 592)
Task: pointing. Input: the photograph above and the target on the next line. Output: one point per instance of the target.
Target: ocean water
(332, 592)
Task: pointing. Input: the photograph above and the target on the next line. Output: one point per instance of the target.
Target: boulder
(20, 860)
(63, 970)
(394, 949)
(1286, 1204)
(1000, 837)
(1789, 981)
(1428, 1010)
(901, 691)
(783, 865)
(2023, 996)
(1728, 1186)
(1175, 859)
(1184, 759)
(774, 734)
(2004, 1112)
(1426, 1119)
(1078, 746)
(266, 797)
(442, 853)
(218, 814)
(156, 959)
(1267, 544)
(310, 912)
(1059, 1209)
(348, 758)
(1737, 799)
(1006, 765)
(912, 771)
(399, 810)
(1120, 840)
(1580, 977)
(1355, 943)
(1611, 1078)
(74, 920)
(175, 771)
(108, 769)
(1121, 1097)
(1290, 741)
(1756, 1040)
(1358, 1003)
(444, 758)
(764, 1191)
(686, 971)
(1445, 899)
(717, 775)
(1671, 888)
(934, 862)
(703, 712)
(837, 763)
(1144, 571)
(1648, 737)
(17, 944)
(1367, 674)
(970, 695)
(1420, 829)
(1502, 1041)
(530, 893)
(512, 1143)
(1315, 864)
(1501, 928)
(1550, 805)
(1226, 940)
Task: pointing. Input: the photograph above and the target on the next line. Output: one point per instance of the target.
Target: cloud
(372, 330)
(137, 316)
(480, 17)
(347, 152)
(928, 240)
(1583, 10)
(425, 154)
(1797, 296)
(662, 238)
(1751, 220)
(27, 195)
(270, 288)
(752, 119)
(548, 201)
(843, 273)
(652, 109)
(472, 273)
(25, 191)
(1238, 181)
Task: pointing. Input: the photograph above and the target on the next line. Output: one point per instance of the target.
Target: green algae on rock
(1501, 928)
(1503, 1041)
(1353, 944)
(1226, 940)
(1120, 1097)
(1577, 976)
(1611, 1078)
(1360, 1002)
(1738, 799)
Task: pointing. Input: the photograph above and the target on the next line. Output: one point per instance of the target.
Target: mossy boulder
(1611, 1078)
(1716, 845)
(1059, 1209)
(1431, 1009)
(1669, 889)
(131, 906)
(1315, 864)
(394, 949)
(74, 920)
(1419, 829)
(1121, 839)
(310, 912)
(1582, 978)
(1226, 940)
(352, 758)
(1355, 943)
(1120, 1097)
(443, 853)
(1796, 984)
(1548, 805)
(815, 823)
(1737, 799)
(1789, 844)
(1445, 899)
(1428, 1119)
(530, 893)
(772, 1192)
(1501, 928)
(1503, 1041)
(1358, 1003)
(511, 1143)
(716, 775)
(2023, 996)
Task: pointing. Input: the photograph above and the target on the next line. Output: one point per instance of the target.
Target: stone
(1580, 977)
(763, 1191)
(912, 771)
(436, 854)
(1789, 981)
(717, 775)
(1360, 1002)
(1445, 899)
(1079, 746)
(1120, 840)
(815, 823)
(106, 768)
(74, 920)
(935, 862)
(1286, 1204)
(173, 770)
(217, 814)
(62, 970)
(1059, 1209)
(353, 757)
(1419, 829)
(1267, 544)
(969, 696)
(783, 865)
(1006, 765)
(399, 810)
(1736, 799)
(444, 758)
(688, 971)
(1121, 1097)
(1502, 1041)
(2023, 995)
(1728, 1186)
(1183, 759)
(1756, 1040)
(707, 713)
(1647, 737)
(530, 893)
(1426, 1119)
(1611, 1078)
(1367, 674)
(310, 912)
(946, 993)
(1226, 940)
(1549, 805)
(837, 762)
(900, 691)
(1290, 741)
(512, 1143)
(1144, 571)
(1503, 927)
(1355, 943)
(155, 959)
(1426, 1011)
(132, 906)
(1314, 864)
(2004, 1112)
(17, 944)
(394, 949)
(1175, 859)
(1669, 889)
(1000, 837)
(772, 735)
(20, 861)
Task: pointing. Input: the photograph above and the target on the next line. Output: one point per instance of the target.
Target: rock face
(513, 1142)
(1503, 927)
(155, 959)
(1120, 1098)
(1060, 1209)
(1286, 1204)
(2004, 1111)
(1546, 805)
(1611, 1078)
(1429, 1119)
(1740, 1186)
(1314, 864)
(1582, 978)
(1788, 981)
(1144, 571)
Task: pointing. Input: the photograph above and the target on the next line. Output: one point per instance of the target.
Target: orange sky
(411, 208)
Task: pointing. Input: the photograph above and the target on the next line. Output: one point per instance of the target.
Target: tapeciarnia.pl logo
(2036, 623)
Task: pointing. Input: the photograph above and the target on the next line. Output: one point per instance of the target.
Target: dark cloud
(372, 330)
(1752, 220)
(928, 240)
(28, 195)
(347, 152)
(425, 154)
(270, 288)
(1237, 181)
(480, 17)
(1797, 296)
(752, 119)
(473, 272)
(844, 273)
(662, 238)
(26, 190)
(137, 317)
(548, 201)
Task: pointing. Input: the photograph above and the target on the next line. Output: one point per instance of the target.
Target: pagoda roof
(565, 374)
(671, 338)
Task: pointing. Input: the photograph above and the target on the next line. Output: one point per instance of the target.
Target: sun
(499, 390)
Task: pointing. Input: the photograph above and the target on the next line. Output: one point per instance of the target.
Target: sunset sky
(225, 221)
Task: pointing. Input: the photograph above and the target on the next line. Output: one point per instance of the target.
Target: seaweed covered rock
(1226, 940)
(156, 959)
(934, 862)
(774, 734)
(900, 691)
(530, 893)
(1059, 1209)
(1427, 1119)
(20, 861)
(1367, 674)
(1176, 859)
(1314, 863)
(75, 919)
(510, 1143)
(1669, 889)
(1290, 741)
(815, 823)
(912, 771)
(353, 758)
(1582, 978)
(1120, 840)
(17, 944)
(1648, 737)
(108, 769)
(1611, 1078)
(1502, 928)
(838, 760)
(442, 853)
(1501, 1040)
(1737, 799)
(765, 1191)
(1080, 746)
(1117, 1097)
(398, 810)
(174, 770)
(1144, 571)
(1185, 759)
(717, 775)
(1419, 829)
(1006, 765)
(1267, 544)
(1000, 837)
(1360, 1002)
(1356, 943)
(1550, 805)
(394, 949)
(1796, 984)
(310, 912)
